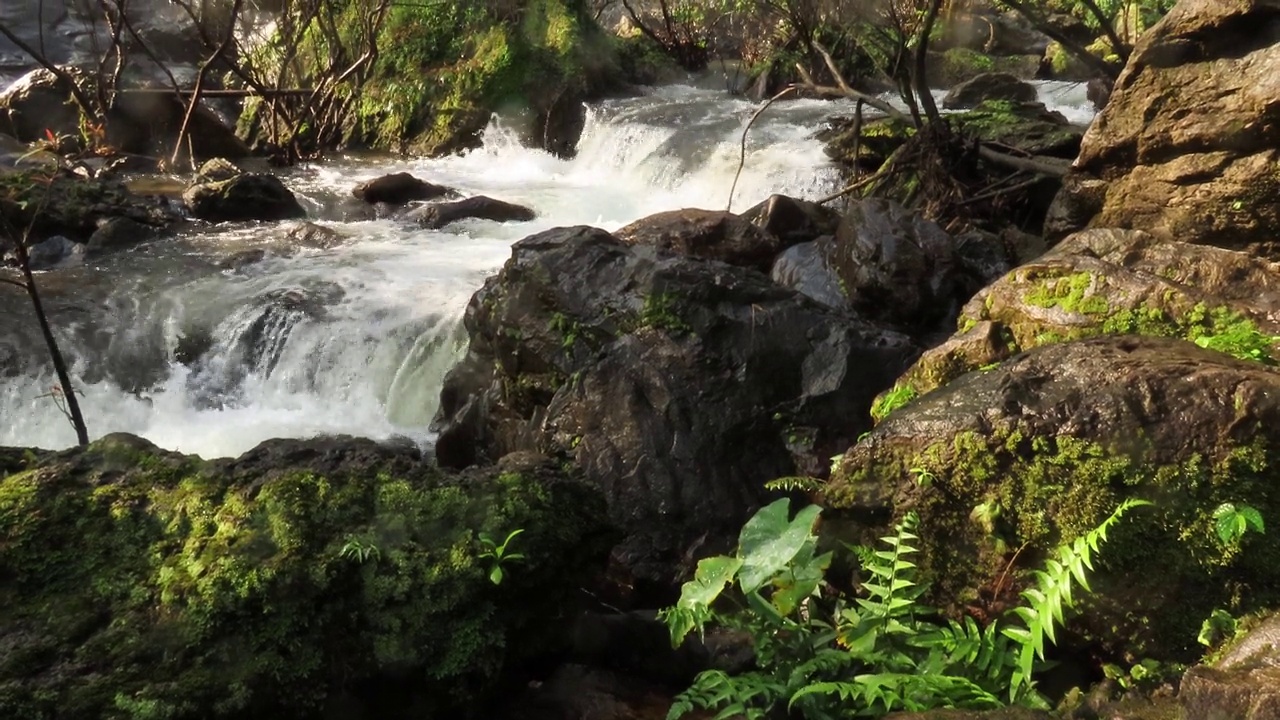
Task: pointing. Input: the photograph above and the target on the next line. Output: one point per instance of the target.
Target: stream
(355, 335)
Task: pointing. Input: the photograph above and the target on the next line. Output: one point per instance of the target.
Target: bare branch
(742, 158)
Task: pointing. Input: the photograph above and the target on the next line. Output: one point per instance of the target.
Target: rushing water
(356, 336)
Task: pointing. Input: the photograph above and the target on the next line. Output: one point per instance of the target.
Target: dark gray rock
(119, 233)
(679, 385)
(398, 189)
(54, 252)
(438, 215)
(806, 268)
(248, 196)
(793, 221)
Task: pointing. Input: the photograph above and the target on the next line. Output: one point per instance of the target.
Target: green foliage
(1233, 334)
(196, 593)
(823, 654)
(1216, 629)
(660, 311)
(499, 554)
(891, 400)
(1232, 521)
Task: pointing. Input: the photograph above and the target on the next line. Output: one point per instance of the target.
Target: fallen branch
(997, 192)
(1053, 167)
(742, 158)
(808, 83)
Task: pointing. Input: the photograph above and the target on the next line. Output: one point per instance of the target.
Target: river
(356, 337)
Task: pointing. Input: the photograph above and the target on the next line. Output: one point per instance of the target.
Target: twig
(848, 92)
(1000, 191)
(1053, 167)
(15, 283)
(194, 102)
(742, 157)
(854, 187)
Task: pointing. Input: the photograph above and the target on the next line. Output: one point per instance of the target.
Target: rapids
(356, 338)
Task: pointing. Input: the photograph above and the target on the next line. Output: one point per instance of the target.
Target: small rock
(242, 259)
(217, 170)
(316, 237)
(438, 215)
(398, 189)
(54, 252)
(118, 233)
(793, 221)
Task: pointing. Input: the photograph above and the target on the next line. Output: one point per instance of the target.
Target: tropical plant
(498, 554)
(822, 653)
(1232, 521)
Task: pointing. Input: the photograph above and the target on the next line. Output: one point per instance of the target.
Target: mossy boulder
(53, 202)
(445, 68)
(1101, 282)
(1028, 126)
(302, 577)
(243, 197)
(1243, 682)
(1006, 463)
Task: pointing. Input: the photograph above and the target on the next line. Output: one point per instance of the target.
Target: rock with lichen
(1007, 462)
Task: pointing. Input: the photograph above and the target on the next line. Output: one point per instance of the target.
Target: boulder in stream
(332, 577)
(679, 385)
(398, 189)
(247, 196)
(989, 86)
(438, 215)
(39, 103)
(708, 234)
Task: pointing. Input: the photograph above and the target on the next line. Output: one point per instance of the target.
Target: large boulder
(36, 104)
(246, 196)
(679, 385)
(896, 266)
(1188, 146)
(53, 202)
(709, 234)
(1006, 463)
(325, 578)
(1110, 282)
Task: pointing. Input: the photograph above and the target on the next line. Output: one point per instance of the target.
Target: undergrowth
(823, 653)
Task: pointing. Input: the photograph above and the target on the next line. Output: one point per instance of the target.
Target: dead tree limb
(1053, 167)
(742, 157)
(205, 67)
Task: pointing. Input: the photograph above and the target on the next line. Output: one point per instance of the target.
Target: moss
(1028, 127)
(660, 311)
(1076, 293)
(52, 202)
(141, 585)
(1051, 489)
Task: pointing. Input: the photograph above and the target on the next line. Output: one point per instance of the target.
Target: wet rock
(1242, 684)
(793, 221)
(806, 268)
(678, 385)
(364, 552)
(1054, 439)
(989, 86)
(708, 234)
(398, 189)
(55, 252)
(1098, 91)
(217, 170)
(38, 103)
(480, 207)
(242, 259)
(117, 234)
(895, 266)
(314, 236)
(247, 196)
(1187, 148)
(1030, 127)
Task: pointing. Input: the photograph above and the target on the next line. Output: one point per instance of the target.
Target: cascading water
(354, 333)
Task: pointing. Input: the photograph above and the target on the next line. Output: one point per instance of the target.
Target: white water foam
(357, 338)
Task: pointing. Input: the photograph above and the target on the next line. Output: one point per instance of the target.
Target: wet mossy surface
(141, 584)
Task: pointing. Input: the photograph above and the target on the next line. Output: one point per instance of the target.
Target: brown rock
(708, 234)
(398, 189)
(437, 215)
(1189, 144)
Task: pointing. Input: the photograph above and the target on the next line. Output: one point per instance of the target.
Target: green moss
(892, 399)
(1050, 489)
(180, 593)
(1077, 293)
(660, 311)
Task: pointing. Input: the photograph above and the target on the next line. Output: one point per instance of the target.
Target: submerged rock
(1049, 443)
(303, 579)
(398, 189)
(1188, 147)
(480, 207)
(680, 386)
(118, 234)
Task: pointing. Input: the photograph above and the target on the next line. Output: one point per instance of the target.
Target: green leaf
(495, 575)
(770, 541)
(708, 581)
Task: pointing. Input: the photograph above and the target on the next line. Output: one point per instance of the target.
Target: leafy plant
(1233, 334)
(1216, 628)
(499, 554)
(826, 654)
(360, 551)
(1232, 521)
(891, 400)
